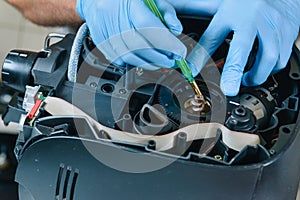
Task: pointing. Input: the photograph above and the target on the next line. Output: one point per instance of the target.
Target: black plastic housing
(54, 163)
(60, 167)
(16, 70)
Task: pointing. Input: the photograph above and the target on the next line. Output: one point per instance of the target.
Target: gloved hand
(274, 22)
(202, 8)
(126, 31)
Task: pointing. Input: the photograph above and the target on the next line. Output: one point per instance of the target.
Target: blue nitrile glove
(274, 22)
(126, 31)
(202, 8)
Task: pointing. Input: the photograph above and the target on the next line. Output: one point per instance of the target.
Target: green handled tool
(185, 69)
(153, 7)
(182, 64)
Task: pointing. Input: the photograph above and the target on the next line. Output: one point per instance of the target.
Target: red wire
(35, 108)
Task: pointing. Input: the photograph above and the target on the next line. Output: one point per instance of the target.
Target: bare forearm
(49, 12)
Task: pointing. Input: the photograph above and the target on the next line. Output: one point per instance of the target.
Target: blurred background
(15, 33)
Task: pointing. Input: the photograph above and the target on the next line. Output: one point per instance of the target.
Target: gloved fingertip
(176, 30)
(230, 87)
(173, 23)
(229, 90)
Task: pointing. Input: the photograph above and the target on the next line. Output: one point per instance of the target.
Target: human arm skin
(49, 12)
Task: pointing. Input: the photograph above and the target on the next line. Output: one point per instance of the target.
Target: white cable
(75, 52)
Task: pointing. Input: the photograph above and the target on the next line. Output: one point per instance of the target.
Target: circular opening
(107, 88)
(240, 111)
(182, 135)
(295, 75)
(126, 117)
(151, 144)
(286, 130)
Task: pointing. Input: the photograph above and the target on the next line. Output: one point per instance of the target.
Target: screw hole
(286, 130)
(107, 88)
(295, 75)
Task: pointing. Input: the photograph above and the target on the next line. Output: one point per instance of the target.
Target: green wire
(182, 64)
(185, 69)
(153, 7)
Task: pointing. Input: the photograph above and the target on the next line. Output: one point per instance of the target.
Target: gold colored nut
(218, 157)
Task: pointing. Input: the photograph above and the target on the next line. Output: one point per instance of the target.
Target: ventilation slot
(59, 176)
(66, 183)
(73, 185)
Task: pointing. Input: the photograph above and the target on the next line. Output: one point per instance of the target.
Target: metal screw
(93, 84)
(103, 135)
(272, 151)
(139, 71)
(198, 103)
(122, 91)
(233, 121)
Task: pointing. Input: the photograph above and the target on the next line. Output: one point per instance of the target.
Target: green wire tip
(185, 69)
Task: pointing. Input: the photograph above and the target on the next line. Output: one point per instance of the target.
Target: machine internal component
(133, 130)
(146, 103)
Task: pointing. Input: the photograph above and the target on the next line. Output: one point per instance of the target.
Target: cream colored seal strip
(235, 140)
